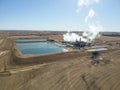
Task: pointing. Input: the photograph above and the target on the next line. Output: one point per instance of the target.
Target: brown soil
(75, 72)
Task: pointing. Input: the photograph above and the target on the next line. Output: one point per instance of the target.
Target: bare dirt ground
(1, 40)
(5, 53)
(76, 73)
(71, 74)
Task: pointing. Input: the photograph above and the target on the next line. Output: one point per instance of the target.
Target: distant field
(60, 37)
(56, 37)
(109, 38)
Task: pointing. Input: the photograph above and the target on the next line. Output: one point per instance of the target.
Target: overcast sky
(59, 14)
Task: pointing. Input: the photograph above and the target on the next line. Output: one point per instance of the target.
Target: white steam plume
(89, 36)
(90, 15)
(73, 37)
(93, 29)
(82, 3)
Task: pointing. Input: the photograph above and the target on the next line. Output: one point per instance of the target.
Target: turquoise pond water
(40, 47)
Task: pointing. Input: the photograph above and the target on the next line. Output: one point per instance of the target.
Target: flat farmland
(74, 72)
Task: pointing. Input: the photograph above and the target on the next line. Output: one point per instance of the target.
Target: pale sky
(59, 14)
